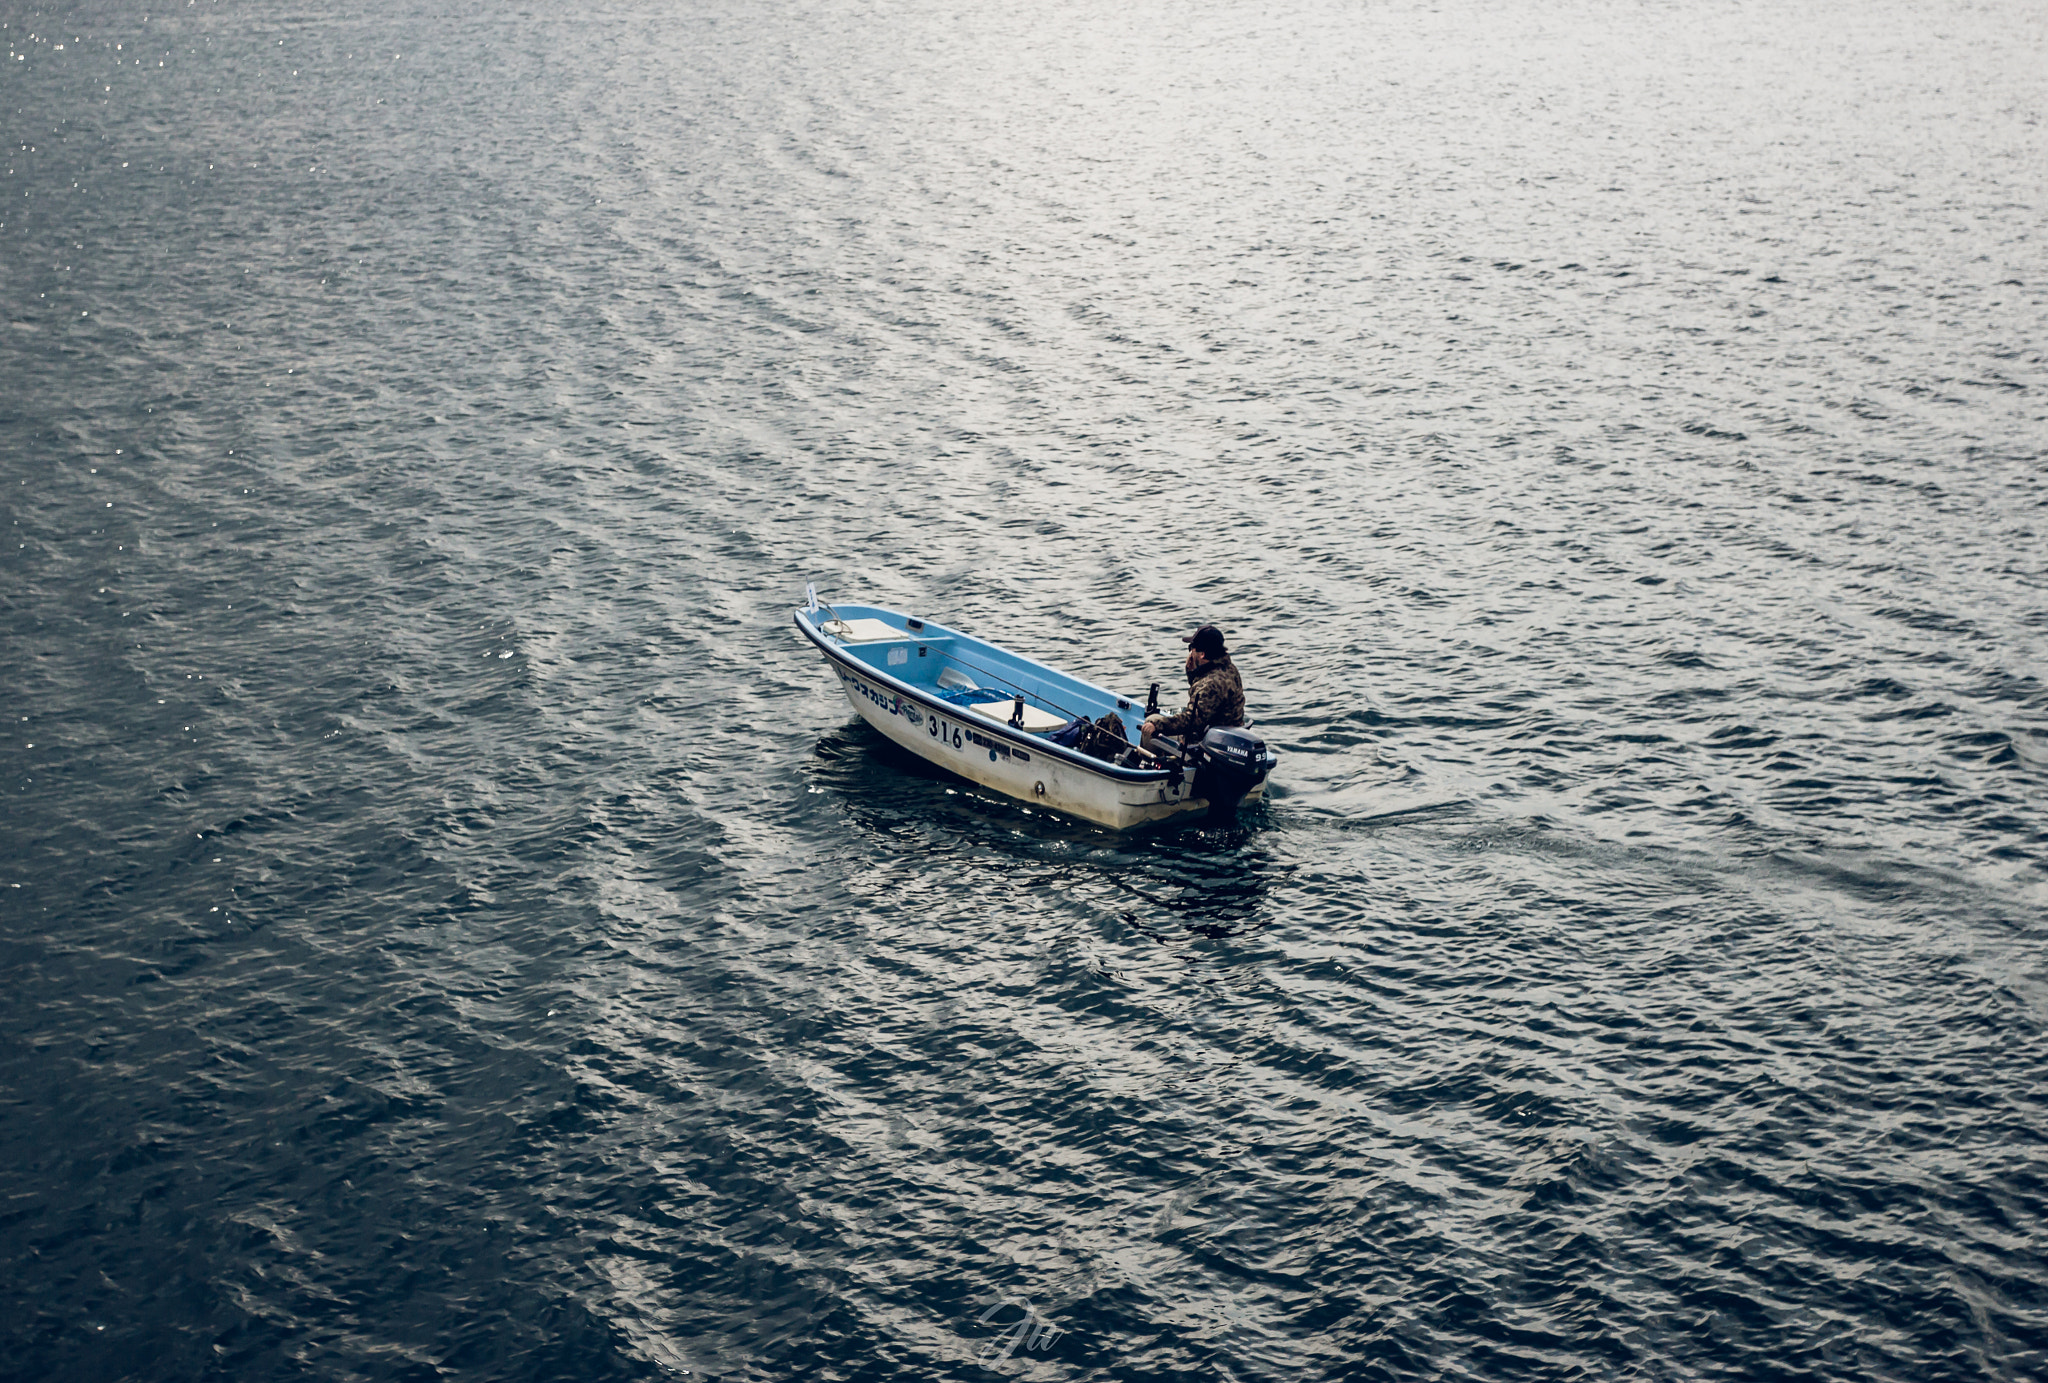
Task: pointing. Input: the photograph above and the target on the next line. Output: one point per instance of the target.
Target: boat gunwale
(1023, 739)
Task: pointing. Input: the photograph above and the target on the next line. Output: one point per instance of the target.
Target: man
(1215, 693)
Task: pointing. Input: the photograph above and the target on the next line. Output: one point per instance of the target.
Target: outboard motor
(1231, 762)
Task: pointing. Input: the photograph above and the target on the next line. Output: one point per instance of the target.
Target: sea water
(455, 928)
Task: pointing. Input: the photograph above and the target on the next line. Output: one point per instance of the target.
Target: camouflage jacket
(1215, 698)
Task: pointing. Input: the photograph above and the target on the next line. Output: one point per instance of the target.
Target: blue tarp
(974, 696)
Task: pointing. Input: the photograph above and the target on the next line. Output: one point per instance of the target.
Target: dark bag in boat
(1069, 732)
(1102, 739)
(1105, 739)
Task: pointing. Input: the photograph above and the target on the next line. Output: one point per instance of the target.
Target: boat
(1022, 728)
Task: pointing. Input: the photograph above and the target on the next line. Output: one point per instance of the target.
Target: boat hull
(966, 744)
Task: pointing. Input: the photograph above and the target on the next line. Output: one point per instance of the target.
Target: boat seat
(1036, 721)
(862, 630)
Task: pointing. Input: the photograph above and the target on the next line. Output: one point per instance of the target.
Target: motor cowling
(1229, 764)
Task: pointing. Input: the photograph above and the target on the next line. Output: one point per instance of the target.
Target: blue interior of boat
(949, 664)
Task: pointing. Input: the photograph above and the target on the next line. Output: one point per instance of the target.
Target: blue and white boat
(1007, 722)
